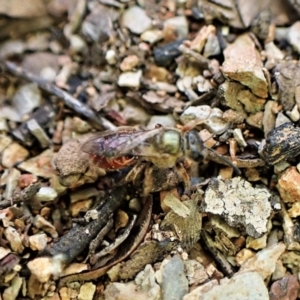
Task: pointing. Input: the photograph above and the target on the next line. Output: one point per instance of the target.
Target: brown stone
(289, 185)
(243, 63)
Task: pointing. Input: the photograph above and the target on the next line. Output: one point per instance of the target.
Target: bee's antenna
(192, 124)
(226, 161)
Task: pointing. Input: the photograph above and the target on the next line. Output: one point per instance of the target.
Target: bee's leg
(135, 175)
(157, 179)
(183, 176)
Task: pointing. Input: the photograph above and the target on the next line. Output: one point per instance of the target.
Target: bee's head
(193, 146)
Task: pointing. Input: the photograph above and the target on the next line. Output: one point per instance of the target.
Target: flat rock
(40, 165)
(246, 286)
(264, 261)
(144, 287)
(174, 283)
(239, 204)
(285, 288)
(243, 64)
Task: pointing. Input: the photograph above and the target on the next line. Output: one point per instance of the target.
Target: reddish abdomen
(113, 163)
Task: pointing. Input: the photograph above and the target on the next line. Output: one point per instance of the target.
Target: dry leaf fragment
(188, 229)
(176, 205)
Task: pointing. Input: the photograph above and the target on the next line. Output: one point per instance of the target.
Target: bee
(163, 147)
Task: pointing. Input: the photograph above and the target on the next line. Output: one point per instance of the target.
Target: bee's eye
(192, 140)
(194, 145)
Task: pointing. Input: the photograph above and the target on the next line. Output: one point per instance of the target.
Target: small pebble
(27, 98)
(294, 114)
(136, 20)
(166, 121)
(281, 166)
(129, 62)
(46, 194)
(243, 255)
(77, 44)
(48, 73)
(38, 132)
(130, 79)
(152, 36)
(289, 185)
(135, 205)
(180, 25)
(45, 267)
(111, 57)
(279, 272)
(11, 47)
(195, 112)
(14, 239)
(11, 293)
(80, 206)
(238, 135)
(42, 223)
(38, 242)
(281, 119)
(87, 291)
(13, 154)
(215, 123)
(294, 211)
(294, 36)
(257, 244)
(212, 46)
(39, 165)
(243, 63)
(3, 124)
(4, 141)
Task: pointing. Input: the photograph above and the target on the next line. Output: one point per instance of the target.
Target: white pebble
(46, 194)
(238, 135)
(111, 57)
(130, 79)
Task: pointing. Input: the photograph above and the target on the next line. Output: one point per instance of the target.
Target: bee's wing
(119, 143)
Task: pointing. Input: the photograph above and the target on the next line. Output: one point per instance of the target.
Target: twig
(133, 241)
(217, 255)
(70, 101)
(22, 196)
(194, 56)
(205, 97)
(80, 236)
